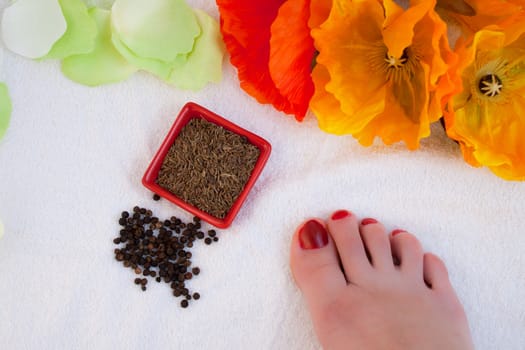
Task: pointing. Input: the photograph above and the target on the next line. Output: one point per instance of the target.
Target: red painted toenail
(313, 235)
(395, 232)
(340, 214)
(368, 221)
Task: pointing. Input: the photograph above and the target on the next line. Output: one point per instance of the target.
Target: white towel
(73, 159)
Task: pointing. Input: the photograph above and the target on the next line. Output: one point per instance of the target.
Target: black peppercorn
(156, 248)
(184, 303)
(156, 197)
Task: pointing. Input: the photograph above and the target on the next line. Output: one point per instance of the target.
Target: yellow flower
(473, 15)
(488, 117)
(381, 71)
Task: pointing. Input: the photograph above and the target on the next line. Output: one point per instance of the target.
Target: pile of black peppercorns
(160, 249)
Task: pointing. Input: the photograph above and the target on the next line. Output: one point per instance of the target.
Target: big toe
(315, 264)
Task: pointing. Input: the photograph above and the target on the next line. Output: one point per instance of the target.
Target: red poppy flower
(270, 45)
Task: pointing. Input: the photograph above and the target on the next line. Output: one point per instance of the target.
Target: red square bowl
(188, 112)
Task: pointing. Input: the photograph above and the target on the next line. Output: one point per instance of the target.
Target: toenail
(340, 214)
(368, 221)
(313, 235)
(395, 232)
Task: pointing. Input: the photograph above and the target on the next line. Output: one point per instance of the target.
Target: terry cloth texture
(73, 159)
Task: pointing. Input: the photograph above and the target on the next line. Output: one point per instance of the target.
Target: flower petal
(5, 109)
(159, 68)
(102, 65)
(30, 28)
(319, 12)
(291, 55)
(81, 31)
(204, 63)
(404, 116)
(482, 13)
(345, 42)
(156, 29)
(245, 27)
(460, 7)
(410, 92)
(398, 27)
(328, 111)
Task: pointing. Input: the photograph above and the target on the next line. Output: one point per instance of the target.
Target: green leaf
(30, 28)
(79, 37)
(104, 64)
(5, 109)
(204, 63)
(155, 29)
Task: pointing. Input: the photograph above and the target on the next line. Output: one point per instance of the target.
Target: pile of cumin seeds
(208, 166)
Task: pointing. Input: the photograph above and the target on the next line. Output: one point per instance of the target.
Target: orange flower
(291, 54)
(271, 47)
(488, 117)
(381, 71)
(474, 15)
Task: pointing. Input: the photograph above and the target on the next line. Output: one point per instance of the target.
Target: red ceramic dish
(188, 112)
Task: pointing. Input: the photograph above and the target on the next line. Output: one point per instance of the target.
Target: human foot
(368, 290)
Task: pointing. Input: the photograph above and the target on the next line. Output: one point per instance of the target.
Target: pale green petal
(5, 109)
(104, 64)
(155, 29)
(204, 63)
(80, 34)
(1, 229)
(31, 27)
(156, 67)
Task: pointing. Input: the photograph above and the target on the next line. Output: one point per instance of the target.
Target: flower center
(490, 85)
(396, 62)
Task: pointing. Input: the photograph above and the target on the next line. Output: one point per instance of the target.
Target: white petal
(31, 27)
